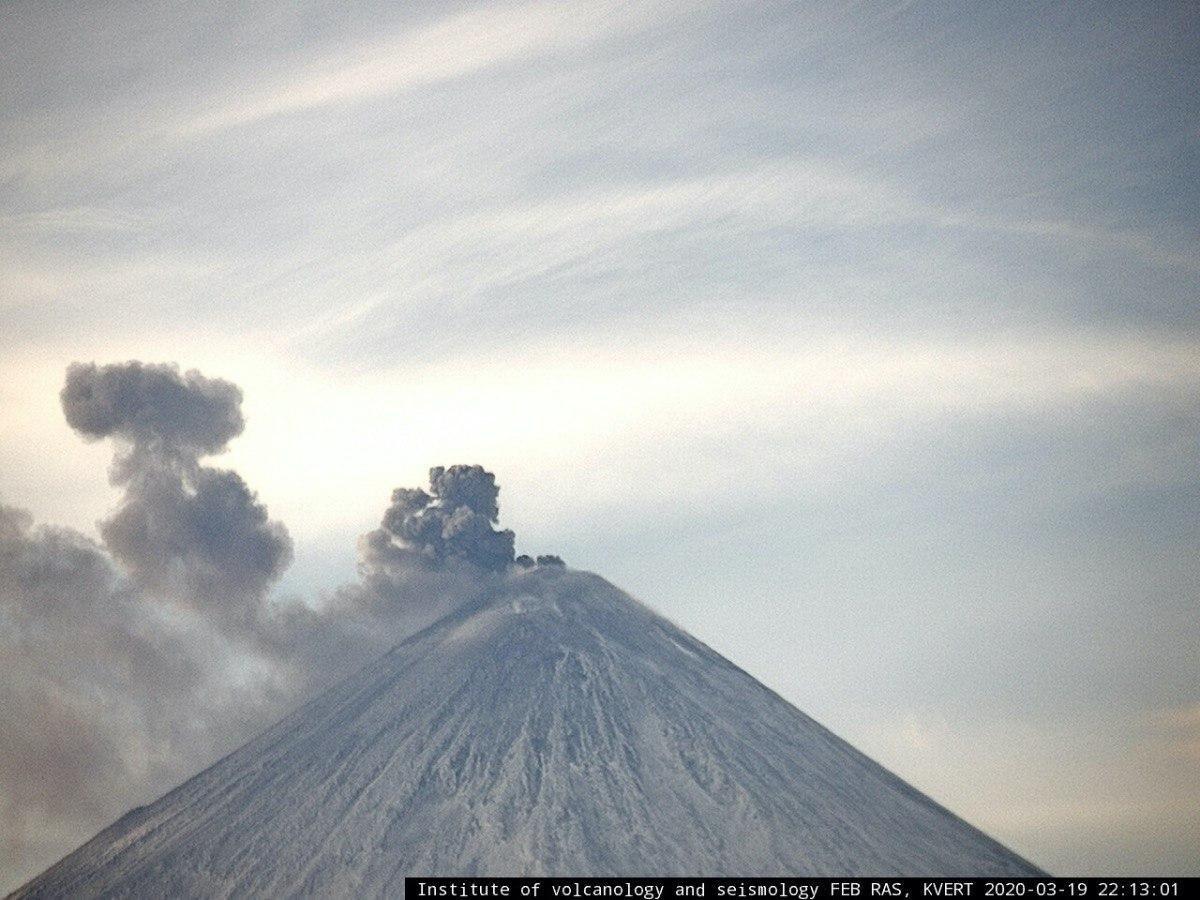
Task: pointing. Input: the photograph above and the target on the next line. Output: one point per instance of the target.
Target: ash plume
(153, 407)
(453, 522)
(132, 662)
(104, 700)
(183, 529)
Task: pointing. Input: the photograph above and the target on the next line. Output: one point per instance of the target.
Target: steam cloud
(131, 663)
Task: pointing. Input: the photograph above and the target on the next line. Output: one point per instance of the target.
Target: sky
(861, 340)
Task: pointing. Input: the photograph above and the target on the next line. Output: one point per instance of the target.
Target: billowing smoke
(130, 664)
(153, 407)
(451, 523)
(183, 529)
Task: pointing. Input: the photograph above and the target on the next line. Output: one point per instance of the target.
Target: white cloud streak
(458, 46)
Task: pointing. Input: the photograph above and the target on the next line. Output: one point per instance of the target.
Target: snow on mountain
(558, 728)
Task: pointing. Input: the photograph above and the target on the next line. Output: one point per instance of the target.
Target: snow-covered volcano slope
(561, 728)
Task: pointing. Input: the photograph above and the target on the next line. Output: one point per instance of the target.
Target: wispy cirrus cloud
(83, 219)
(455, 46)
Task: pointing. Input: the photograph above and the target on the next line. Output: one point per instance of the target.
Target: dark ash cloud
(197, 534)
(132, 663)
(453, 522)
(153, 406)
(183, 530)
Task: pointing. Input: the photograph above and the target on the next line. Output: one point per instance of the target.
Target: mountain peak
(555, 726)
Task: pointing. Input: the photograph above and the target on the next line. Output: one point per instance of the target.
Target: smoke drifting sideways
(133, 662)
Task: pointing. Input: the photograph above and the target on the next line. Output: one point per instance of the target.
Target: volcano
(557, 727)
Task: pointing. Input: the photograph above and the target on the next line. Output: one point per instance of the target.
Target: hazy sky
(862, 341)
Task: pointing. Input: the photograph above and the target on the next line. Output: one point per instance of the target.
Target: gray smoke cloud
(183, 529)
(133, 662)
(154, 407)
(453, 522)
(106, 700)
